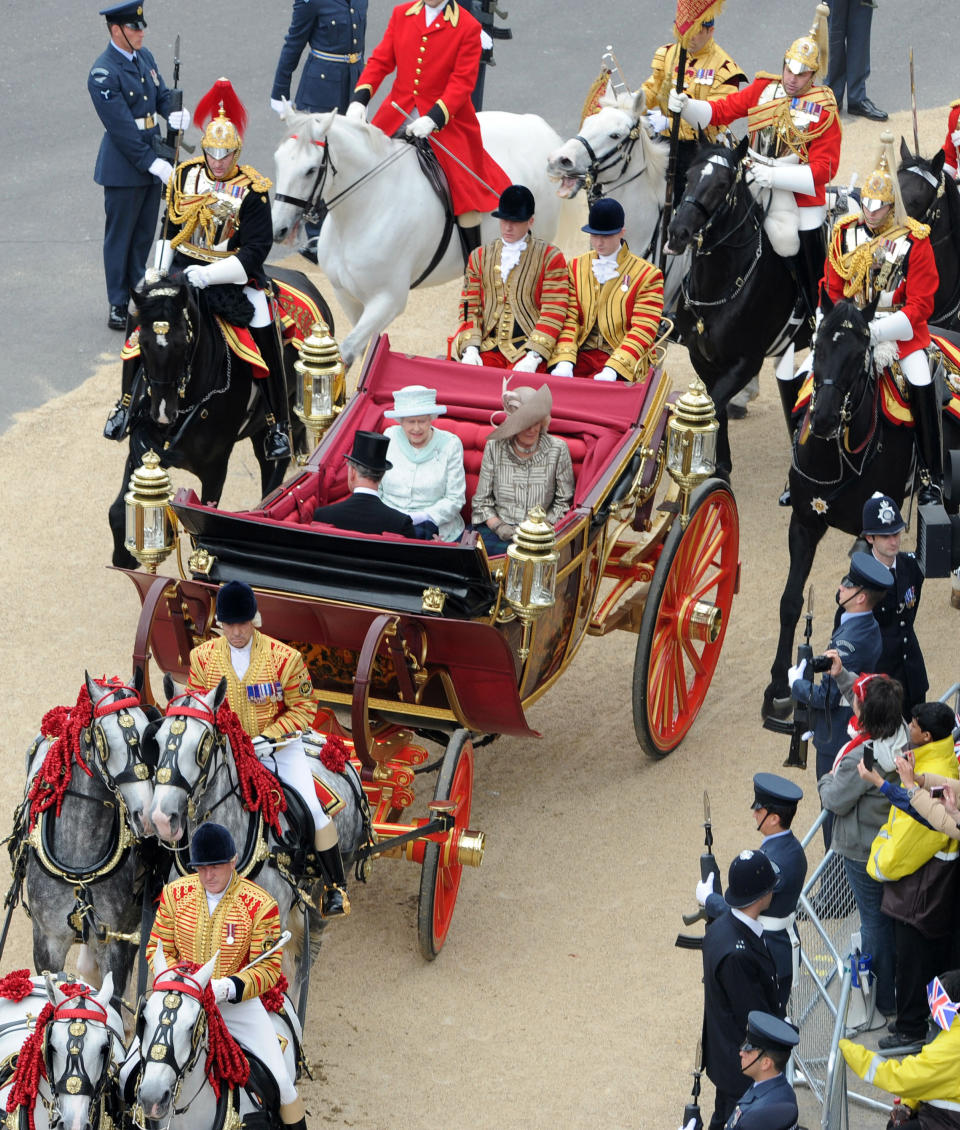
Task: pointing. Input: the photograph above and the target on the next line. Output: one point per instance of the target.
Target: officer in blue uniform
(769, 1103)
(775, 801)
(335, 31)
(128, 92)
(901, 657)
(857, 638)
(738, 976)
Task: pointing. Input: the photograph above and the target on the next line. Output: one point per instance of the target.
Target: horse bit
(595, 189)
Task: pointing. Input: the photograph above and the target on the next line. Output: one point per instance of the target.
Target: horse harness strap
(595, 189)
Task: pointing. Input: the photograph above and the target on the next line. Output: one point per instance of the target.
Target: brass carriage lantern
(531, 572)
(320, 384)
(692, 442)
(149, 524)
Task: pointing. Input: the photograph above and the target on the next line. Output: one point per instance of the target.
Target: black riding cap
(211, 844)
(516, 204)
(236, 603)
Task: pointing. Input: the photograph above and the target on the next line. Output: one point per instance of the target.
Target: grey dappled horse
(82, 1047)
(197, 780)
(86, 859)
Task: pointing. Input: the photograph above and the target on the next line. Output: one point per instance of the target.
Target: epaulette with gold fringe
(768, 75)
(918, 230)
(258, 182)
(955, 102)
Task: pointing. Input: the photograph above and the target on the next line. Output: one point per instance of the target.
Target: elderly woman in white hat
(427, 480)
(523, 466)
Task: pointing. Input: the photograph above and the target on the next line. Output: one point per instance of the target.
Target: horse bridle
(191, 339)
(171, 774)
(81, 1011)
(134, 770)
(600, 164)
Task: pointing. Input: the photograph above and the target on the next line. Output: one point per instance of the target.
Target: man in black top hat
(770, 1102)
(738, 976)
(900, 657)
(514, 296)
(364, 510)
(857, 638)
(775, 801)
(128, 92)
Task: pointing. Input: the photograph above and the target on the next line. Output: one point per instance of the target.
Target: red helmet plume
(222, 100)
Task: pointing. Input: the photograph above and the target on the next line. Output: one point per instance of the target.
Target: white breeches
(916, 368)
(812, 216)
(261, 308)
(290, 764)
(250, 1026)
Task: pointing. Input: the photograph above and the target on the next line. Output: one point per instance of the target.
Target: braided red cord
(272, 999)
(225, 1062)
(334, 754)
(51, 783)
(16, 986)
(261, 790)
(30, 1069)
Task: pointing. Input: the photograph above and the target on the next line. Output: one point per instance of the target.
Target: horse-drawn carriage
(405, 638)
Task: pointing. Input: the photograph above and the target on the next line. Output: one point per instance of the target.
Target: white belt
(145, 123)
(942, 1104)
(772, 925)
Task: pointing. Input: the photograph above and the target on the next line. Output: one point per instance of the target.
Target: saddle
(437, 180)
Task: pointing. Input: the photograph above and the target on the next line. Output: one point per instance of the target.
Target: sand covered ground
(559, 1000)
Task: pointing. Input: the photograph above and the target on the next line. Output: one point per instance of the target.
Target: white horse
(385, 222)
(616, 154)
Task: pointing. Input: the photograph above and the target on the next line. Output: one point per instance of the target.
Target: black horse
(844, 449)
(740, 294)
(200, 397)
(931, 196)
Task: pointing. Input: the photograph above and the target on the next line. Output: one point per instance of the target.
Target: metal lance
(913, 108)
(672, 161)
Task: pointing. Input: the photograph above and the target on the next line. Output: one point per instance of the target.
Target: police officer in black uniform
(739, 976)
(334, 32)
(128, 92)
(900, 657)
(770, 1103)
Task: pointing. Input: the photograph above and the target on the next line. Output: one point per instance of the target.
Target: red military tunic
(949, 149)
(436, 72)
(847, 274)
(808, 125)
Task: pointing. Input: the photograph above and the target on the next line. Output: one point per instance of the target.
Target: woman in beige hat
(427, 479)
(522, 467)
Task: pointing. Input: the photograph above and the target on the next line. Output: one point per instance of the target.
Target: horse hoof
(774, 707)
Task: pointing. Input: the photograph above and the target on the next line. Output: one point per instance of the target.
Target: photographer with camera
(856, 639)
(860, 808)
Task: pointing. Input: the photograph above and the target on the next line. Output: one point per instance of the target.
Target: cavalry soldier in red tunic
(795, 137)
(269, 688)
(216, 911)
(616, 302)
(887, 255)
(435, 50)
(951, 163)
(514, 297)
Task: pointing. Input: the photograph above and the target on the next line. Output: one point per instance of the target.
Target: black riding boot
(470, 239)
(925, 403)
(335, 899)
(276, 444)
(118, 422)
(789, 391)
(808, 263)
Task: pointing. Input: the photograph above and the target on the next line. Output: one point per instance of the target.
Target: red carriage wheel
(440, 876)
(685, 619)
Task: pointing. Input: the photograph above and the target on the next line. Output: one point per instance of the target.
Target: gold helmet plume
(227, 120)
(882, 186)
(811, 51)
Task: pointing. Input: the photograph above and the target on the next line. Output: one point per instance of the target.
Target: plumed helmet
(225, 117)
(810, 51)
(752, 875)
(236, 603)
(881, 186)
(881, 515)
(211, 844)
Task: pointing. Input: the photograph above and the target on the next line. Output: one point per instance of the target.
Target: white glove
(470, 356)
(222, 989)
(796, 673)
(893, 327)
(419, 516)
(761, 175)
(529, 363)
(262, 746)
(704, 890)
(421, 127)
(692, 110)
(658, 122)
(179, 119)
(677, 102)
(690, 1125)
(606, 374)
(228, 270)
(356, 112)
(277, 106)
(486, 42)
(792, 178)
(161, 169)
(955, 138)
(563, 369)
(162, 255)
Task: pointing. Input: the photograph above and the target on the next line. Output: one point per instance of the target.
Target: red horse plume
(209, 106)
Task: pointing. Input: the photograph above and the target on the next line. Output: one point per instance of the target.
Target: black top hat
(606, 218)
(881, 515)
(236, 603)
(211, 844)
(752, 875)
(774, 792)
(868, 573)
(129, 14)
(516, 204)
(370, 451)
(770, 1033)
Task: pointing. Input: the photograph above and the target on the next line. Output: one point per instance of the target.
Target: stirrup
(119, 419)
(334, 902)
(930, 493)
(276, 443)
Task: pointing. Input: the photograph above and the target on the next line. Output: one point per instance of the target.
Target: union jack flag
(942, 1008)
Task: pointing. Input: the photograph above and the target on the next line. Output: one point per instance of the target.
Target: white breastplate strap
(772, 925)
